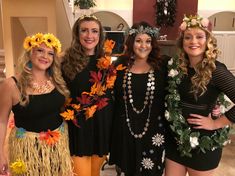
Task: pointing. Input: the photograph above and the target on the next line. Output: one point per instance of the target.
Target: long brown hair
(75, 58)
(154, 56)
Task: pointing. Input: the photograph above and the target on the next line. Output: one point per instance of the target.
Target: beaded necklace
(42, 88)
(148, 100)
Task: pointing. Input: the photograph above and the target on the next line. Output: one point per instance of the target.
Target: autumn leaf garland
(103, 79)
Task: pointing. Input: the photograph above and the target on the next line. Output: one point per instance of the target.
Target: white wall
(123, 8)
(207, 8)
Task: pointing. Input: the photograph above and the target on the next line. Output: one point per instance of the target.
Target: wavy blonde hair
(204, 68)
(25, 77)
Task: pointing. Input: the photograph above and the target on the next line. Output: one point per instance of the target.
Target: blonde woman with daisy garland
(38, 143)
(196, 81)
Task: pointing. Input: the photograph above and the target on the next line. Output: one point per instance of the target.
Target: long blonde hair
(25, 76)
(204, 68)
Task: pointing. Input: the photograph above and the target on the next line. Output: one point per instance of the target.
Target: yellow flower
(68, 115)
(18, 167)
(28, 43)
(90, 111)
(49, 39)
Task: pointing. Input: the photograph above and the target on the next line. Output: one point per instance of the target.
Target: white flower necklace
(187, 139)
(148, 100)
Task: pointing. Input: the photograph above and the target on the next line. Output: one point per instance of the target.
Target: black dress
(93, 136)
(139, 156)
(222, 81)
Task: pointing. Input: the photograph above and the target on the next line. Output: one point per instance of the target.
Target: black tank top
(42, 112)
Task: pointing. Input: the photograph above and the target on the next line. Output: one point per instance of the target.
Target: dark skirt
(199, 161)
(93, 135)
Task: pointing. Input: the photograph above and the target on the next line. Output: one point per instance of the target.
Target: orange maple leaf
(68, 115)
(97, 89)
(120, 67)
(108, 46)
(77, 107)
(110, 81)
(90, 111)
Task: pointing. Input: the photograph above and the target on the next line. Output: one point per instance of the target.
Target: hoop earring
(49, 70)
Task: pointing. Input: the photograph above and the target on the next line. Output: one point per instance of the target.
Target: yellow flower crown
(35, 40)
(194, 21)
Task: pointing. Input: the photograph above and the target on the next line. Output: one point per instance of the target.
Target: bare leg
(193, 172)
(82, 166)
(96, 163)
(174, 169)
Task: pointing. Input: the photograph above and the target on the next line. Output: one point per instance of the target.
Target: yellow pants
(87, 165)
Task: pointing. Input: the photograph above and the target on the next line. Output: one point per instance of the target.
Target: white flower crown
(194, 21)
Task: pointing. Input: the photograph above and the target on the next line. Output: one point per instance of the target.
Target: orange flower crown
(35, 40)
(194, 21)
(102, 80)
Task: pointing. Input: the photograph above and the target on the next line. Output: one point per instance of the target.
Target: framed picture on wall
(119, 38)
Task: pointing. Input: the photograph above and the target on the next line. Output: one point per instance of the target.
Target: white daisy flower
(147, 163)
(194, 142)
(170, 62)
(158, 140)
(167, 115)
(172, 73)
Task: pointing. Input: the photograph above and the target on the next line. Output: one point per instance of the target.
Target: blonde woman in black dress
(196, 80)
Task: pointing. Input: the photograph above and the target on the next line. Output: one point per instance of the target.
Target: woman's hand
(202, 122)
(3, 166)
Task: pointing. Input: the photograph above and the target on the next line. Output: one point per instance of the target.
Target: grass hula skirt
(41, 154)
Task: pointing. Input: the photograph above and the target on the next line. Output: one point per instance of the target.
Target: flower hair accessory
(87, 16)
(154, 32)
(35, 40)
(194, 21)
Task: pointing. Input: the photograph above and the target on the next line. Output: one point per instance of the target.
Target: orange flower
(108, 46)
(68, 115)
(90, 111)
(110, 81)
(50, 137)
(97, 89)
(104, 62)
(120, 67)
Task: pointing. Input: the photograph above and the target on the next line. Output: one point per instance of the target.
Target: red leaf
(75, 122)
(95, 77)
(102, 102)
(84, 99)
